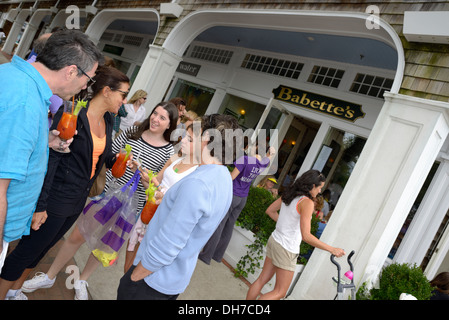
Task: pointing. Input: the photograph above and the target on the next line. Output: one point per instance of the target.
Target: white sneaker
(81, 290)
(18, 296)
(39, 281)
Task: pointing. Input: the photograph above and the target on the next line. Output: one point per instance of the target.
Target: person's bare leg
(5, 285)
(130, 256)
(283, 281)
(91, 265)
(19, 282)
(66, 252)
(267, 273)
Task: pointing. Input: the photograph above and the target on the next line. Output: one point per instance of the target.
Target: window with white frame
(370, 85)
(325, 76)
(211, 54)
(274, 66)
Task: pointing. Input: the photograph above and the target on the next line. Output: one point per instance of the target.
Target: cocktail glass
(119, 167)
(148, 211)
(67, 124)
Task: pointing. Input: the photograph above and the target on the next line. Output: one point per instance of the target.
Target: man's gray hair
(70, 47)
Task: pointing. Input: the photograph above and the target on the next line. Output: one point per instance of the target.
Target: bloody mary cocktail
(67, 126)
(148, 211)
(119, 167)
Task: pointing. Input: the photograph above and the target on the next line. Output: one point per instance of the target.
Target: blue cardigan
(187, 217)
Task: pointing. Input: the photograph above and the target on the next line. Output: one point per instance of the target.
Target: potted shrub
(254, 219)
(396, 279)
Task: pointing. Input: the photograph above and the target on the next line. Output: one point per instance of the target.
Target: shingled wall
(426, 73)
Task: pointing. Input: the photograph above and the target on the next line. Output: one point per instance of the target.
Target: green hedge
(253, 216)
(396, 279)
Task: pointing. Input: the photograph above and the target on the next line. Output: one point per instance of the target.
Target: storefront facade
(317, 73)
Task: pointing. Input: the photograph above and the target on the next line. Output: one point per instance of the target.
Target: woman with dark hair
(151, 145)
(187, 216)
(292, 226)
(441, 286)
(69, 178)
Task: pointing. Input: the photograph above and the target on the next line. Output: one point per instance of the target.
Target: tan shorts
(280, 257)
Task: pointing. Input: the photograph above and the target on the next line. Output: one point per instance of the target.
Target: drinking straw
(73, 103)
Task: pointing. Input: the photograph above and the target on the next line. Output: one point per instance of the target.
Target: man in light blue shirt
(188, 215)
(24, 137)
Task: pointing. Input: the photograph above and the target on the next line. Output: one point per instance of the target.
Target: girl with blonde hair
(135, 109)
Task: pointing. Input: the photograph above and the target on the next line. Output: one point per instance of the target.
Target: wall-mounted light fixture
(171, 10)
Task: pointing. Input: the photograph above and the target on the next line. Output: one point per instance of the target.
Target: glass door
(293, 150)
(196, 96)
(336, 160)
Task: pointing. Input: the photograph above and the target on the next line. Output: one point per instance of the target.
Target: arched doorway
(105, 17)
(246, 40)
(333, 25)
(125, 36)
(32, 30)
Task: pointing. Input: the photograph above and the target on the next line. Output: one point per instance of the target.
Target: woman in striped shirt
(150, 142)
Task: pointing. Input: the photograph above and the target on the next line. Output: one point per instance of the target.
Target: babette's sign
(330, 106)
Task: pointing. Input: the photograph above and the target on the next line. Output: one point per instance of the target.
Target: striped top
(153, 158)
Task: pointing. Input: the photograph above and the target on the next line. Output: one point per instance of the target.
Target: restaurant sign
(188, 68)
(330, 106)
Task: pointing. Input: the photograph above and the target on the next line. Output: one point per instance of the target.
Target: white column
(314, 148)
(217, 100)
(10, 16)
(155, 75)
(276, 141)
(30, 31)
(10, 41)
(19, 20)
(26, 40)
(427, 219)
(397, 157)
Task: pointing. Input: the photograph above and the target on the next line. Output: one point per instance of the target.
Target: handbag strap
(135, 176)
(136, 182)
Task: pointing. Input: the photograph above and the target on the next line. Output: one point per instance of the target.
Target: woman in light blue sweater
(188, 215)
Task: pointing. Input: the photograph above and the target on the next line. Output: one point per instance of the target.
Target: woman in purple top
(55, 103)
(246, 169)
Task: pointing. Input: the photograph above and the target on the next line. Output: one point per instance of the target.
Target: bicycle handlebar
(351, 267)
(349, 260)
(342, 286)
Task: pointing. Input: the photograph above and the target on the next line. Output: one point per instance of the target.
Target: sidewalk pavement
(4, 57)
(209, 282)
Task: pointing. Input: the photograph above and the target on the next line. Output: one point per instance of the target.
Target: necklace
(98, 122)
